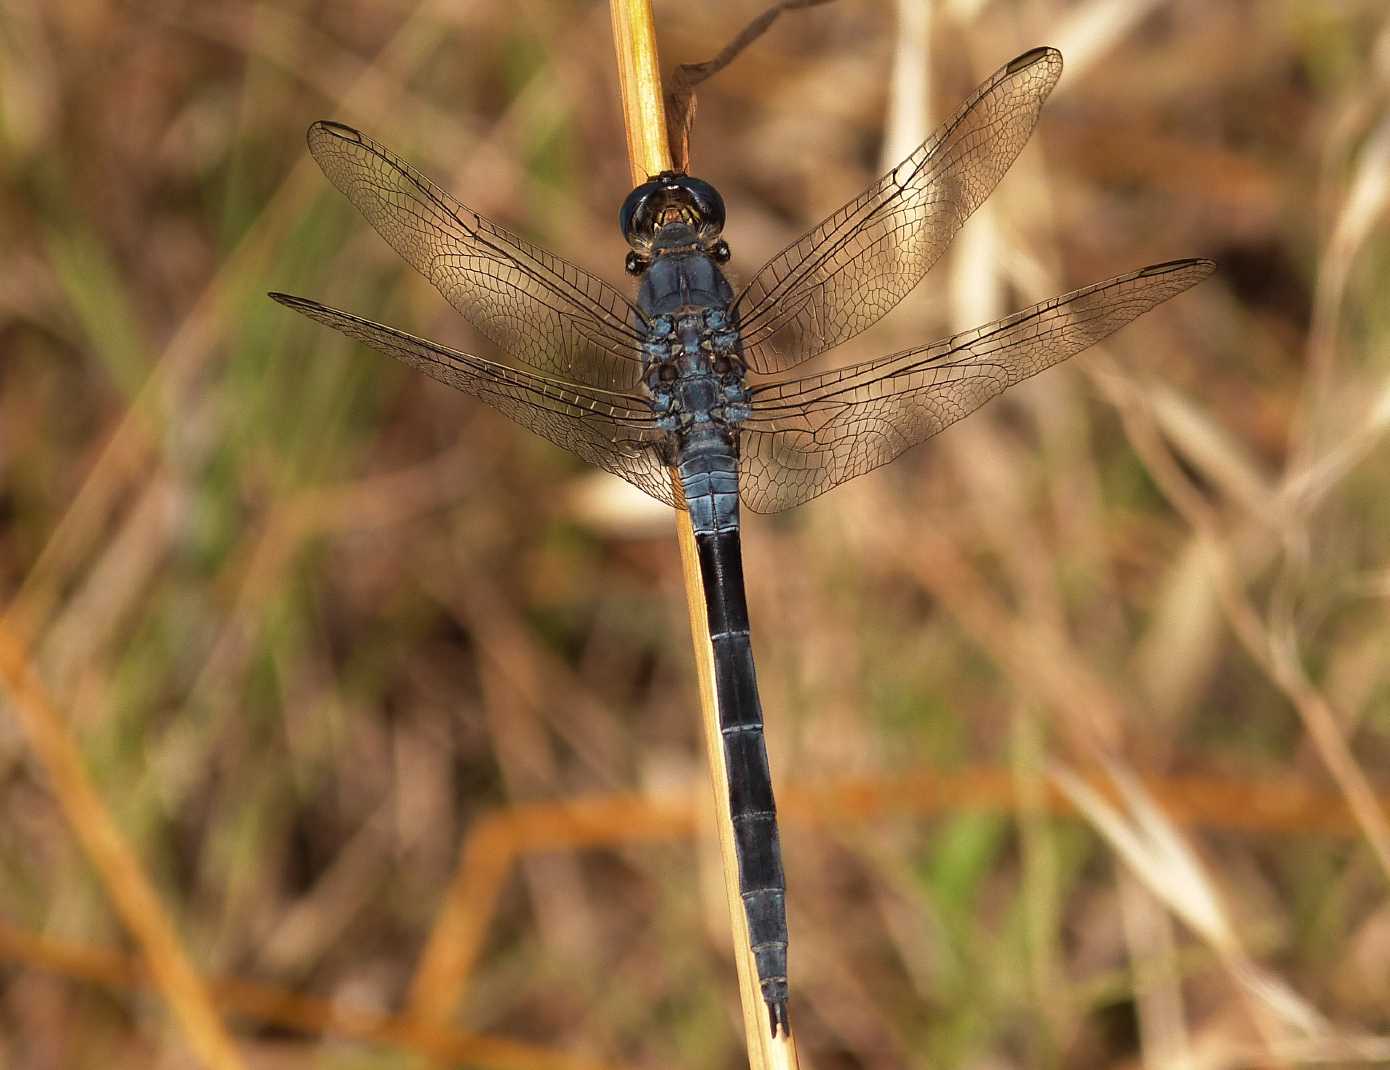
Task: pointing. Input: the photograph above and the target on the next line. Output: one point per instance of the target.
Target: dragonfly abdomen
(762, 883)
(709, 478)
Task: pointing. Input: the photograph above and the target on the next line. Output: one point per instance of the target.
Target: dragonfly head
(671, 211)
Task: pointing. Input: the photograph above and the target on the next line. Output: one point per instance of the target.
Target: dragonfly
(683, 391)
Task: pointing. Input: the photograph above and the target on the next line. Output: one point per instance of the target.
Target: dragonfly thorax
(694, 372)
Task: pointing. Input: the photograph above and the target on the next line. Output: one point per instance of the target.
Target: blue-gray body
(694, 372)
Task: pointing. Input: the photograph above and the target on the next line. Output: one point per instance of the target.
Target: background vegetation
(1077, 716)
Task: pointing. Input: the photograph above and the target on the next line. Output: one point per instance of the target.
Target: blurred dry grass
(1079, 715)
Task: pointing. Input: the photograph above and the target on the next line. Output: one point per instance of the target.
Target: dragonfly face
(672, 213)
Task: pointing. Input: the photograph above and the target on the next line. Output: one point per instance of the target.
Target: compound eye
(634, 264)
(638, 216)
(708, 206)
(721, 252)
(668, 374)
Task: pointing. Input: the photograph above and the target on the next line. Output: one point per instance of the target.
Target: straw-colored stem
(639, 82)
(649, 153)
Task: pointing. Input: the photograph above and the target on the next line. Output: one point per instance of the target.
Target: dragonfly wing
(846, 273)
(615, 431)
(810, 434)
(538, 308)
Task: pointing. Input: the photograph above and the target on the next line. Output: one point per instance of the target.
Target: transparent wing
(615, 431)
(810, 434)
(538, 308)
(845, 274)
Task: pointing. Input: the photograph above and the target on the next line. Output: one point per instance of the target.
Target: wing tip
(1041, 54)
(320, 128)
(1199, 267)
(299, 304)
